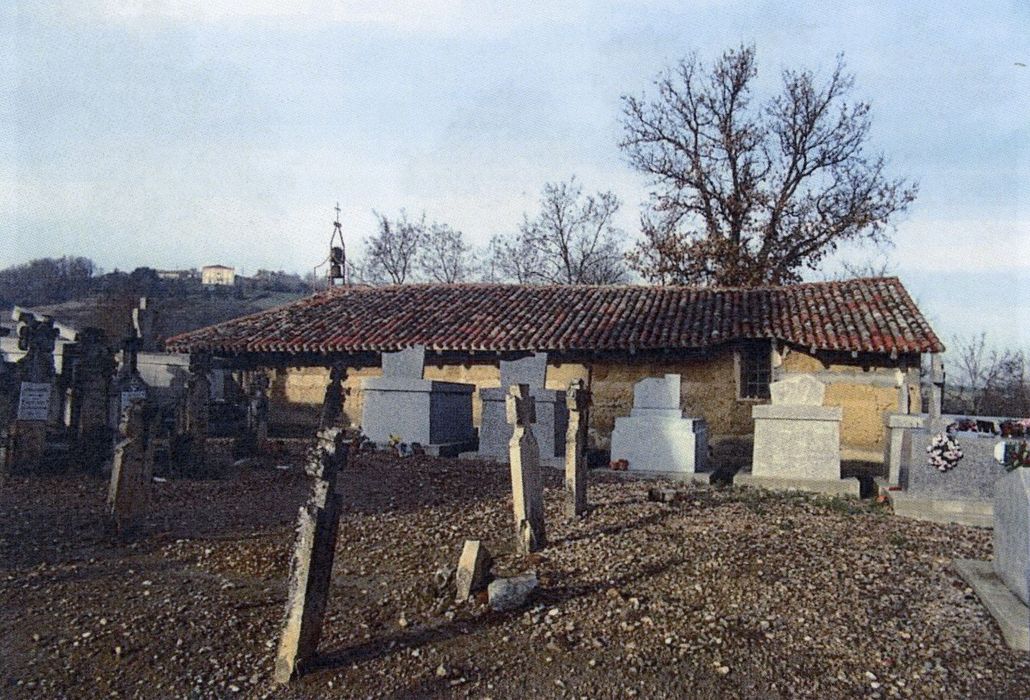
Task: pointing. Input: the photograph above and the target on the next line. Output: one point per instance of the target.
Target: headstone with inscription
(36, 390)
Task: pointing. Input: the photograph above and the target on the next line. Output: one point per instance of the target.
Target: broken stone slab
(800, 390)
(506, 594)
(473, 570)
(409, 363)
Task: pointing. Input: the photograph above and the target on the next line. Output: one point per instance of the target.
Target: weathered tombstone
(401, 403)
(91, 385)
(35, 397)
(190, 439)
(332, 403)
(797, 441)
(473, 570)
(658, 436)
(133, 468)
(312, 563)
(577, 400)
(524, 459)
(550, 425)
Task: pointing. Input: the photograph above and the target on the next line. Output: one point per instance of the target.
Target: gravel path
(724, 593)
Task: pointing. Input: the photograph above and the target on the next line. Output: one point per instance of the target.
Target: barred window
(755, 363)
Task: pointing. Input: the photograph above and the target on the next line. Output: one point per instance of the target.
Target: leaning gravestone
(550, 424)
(524, 459)
(797, 441)
(657, 436)
(311, 567)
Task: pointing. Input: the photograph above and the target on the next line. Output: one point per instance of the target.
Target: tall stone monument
(551, 413)
(524, 459)
(577, 400)
(437, 415)
(658, 436)
(133, 467)
(311, 567)
(797, 441)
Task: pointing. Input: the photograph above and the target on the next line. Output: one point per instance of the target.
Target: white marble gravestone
(657, 436)
(797, 440)
(552, 415)
(437, 415)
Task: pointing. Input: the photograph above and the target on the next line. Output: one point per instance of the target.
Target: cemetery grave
(714, 593)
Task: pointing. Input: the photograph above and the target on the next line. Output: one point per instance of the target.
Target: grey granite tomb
(437, 415)
(797, 441)
(657, 436)
(961, 495)
(552, 415)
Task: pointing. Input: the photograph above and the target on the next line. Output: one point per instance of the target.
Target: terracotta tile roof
(865, 315)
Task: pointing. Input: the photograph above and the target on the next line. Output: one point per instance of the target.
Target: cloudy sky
(182, 133)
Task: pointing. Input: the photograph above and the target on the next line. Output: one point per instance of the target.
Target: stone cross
(577, 400)
(527, 491)
(133, 468)
(38, 339)
(332, 403)
(311, 567)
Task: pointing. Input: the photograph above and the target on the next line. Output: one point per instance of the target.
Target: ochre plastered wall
(864, 393)
(708, 390)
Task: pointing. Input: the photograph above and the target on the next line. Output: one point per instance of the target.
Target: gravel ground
(724, 593)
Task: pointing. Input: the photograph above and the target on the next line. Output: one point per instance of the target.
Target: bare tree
(986, 380)
(749, 194)
(445, 256)
(391, 254)
(571, 240)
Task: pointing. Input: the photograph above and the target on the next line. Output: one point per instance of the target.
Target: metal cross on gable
(520, 406)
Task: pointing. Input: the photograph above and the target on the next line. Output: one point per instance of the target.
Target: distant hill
(113, 312)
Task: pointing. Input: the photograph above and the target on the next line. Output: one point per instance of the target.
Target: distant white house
(218, 274)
